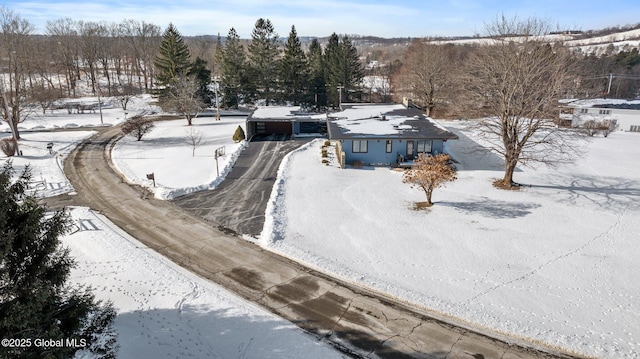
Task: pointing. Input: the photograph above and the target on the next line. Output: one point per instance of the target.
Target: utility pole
(609, 87)
(100, 104)
(216, 81)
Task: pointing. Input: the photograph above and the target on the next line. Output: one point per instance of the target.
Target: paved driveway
(239, 203)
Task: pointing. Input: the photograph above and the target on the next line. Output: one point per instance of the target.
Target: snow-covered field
(164, 311)
(554, 263)
(167, 152)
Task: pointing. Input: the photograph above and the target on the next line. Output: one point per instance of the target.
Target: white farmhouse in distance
(625, 113)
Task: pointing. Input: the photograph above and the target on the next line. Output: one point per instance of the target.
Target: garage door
(278, 128)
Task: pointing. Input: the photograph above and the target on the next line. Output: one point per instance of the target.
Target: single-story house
(385, 134)
(285, 120)
(626, 114)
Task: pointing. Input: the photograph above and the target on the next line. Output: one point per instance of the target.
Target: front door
(410, 150)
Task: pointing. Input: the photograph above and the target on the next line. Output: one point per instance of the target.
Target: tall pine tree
(35, 300)
(317, 83)
(294, 71)
(353, 71)
(202, 76)
(263, 59)
(234, 77)
(173, 59)
(342, 69)
(332, 65)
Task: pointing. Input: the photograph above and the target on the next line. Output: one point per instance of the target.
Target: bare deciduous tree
(65, 52)
(15, 52)
(183, 98)
(429, 173)
(425, 74)
(194, 139)
(517, 81)
(137, 127)
(142, 40)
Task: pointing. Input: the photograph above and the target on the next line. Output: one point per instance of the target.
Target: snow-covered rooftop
(603, 102)
(384, 120)
(284, 113)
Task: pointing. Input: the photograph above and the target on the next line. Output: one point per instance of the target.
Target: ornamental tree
(429, 173)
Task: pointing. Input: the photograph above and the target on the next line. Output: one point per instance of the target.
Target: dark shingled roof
(391, 122)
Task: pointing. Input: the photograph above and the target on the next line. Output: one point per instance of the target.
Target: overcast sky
(385, 18)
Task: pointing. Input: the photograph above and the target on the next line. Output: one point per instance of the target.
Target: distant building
(385, 134)
(626, 114)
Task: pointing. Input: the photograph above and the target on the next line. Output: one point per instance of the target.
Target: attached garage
(284, 120)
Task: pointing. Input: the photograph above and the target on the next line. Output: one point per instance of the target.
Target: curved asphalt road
(356, 320)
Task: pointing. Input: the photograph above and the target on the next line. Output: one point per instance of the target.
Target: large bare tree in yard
(517, 81)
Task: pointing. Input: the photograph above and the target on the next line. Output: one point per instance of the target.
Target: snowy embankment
(167, 153)
(554, 263)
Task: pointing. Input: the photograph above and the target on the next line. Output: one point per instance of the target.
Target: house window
(634, 128)
(423, 146)
(584, 110)
(359, 146)
(388, 147)
(605, 112)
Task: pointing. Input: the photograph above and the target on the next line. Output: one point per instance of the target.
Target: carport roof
(392, 121)
(284, 113)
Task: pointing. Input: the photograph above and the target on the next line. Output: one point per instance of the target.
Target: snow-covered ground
(167, 152)
(555, 262)
(164, 311)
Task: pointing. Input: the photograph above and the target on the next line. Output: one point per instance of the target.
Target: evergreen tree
(35, 301)
(202, 76)
(173, 59)
(217, 57)
(353, 71)
(234, 77)
(263, 59)
(294, 71)
(317, 83)
(332, 65)
(343, 69)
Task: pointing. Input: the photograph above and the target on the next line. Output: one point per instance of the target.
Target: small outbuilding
(385, 134)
